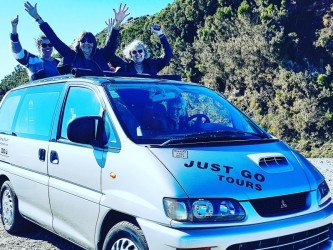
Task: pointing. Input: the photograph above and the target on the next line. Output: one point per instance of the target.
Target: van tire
(11, 218)
(125, 235)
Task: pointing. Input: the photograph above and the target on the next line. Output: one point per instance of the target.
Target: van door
(75, 173)
(29, 115)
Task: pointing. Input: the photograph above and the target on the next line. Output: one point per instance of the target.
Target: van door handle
(54, 157)
(41, 154)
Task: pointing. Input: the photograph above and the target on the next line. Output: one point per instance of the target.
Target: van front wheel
(125, 236)
(10, 216)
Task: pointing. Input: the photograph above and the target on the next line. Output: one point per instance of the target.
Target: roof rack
(78, 72)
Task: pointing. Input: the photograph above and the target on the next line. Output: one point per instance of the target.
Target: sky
(66, 17)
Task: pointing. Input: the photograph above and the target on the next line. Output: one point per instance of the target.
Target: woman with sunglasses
(39, 66)
(85, 54)
(137, 58)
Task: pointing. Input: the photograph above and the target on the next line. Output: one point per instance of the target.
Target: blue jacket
(37, 66)
(150, 66)
(100, 58)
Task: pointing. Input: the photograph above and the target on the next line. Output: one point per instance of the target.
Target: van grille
(280, 205)
(312, 239)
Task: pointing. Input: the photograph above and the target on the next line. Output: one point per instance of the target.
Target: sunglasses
(44, 45)
(84, 40)
(138, 51)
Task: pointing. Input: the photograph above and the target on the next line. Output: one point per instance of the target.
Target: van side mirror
(87, 130)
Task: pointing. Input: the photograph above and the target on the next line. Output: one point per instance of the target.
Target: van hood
(241, 172)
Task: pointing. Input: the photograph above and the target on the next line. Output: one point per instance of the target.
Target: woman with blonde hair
(137, 57)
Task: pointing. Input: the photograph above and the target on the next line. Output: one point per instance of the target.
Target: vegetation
(17, 77)
(272, 58)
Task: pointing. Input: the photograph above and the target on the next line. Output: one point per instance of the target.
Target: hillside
(271, 58)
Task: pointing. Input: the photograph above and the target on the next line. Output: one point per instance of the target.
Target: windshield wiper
(212, 136)
(262, 135)
(12, 133)
(180, 140)
(225, 133)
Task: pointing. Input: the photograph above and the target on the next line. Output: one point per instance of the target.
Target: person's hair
(88, 35)
(134, 44)
(40, 39)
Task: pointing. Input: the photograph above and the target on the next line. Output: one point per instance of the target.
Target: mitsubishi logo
(283, 204)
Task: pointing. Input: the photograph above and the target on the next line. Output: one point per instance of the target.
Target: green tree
(17, 77)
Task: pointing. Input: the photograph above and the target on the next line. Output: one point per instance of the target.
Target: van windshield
(177, 113)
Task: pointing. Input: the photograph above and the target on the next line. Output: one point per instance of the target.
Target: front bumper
(166, 238)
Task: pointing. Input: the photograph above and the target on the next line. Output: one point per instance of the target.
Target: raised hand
(120, 15)
(15, 21)
(156, 28)
(109, 23)
(32, 10)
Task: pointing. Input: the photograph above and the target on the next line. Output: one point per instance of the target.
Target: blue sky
(67, 18)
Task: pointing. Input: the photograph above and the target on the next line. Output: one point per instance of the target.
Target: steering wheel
(198, 119)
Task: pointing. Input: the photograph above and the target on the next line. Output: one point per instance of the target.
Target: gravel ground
(36, 239)
(41, 239)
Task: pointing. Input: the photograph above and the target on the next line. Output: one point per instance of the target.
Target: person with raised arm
(137, 57)
(39, 66)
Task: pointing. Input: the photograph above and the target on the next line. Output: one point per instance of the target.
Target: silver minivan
(143, 163)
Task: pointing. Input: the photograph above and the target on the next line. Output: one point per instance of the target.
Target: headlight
(323, 193)
(203, 210)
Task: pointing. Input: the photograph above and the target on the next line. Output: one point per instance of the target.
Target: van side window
(36, 111)
(80, 102)
(7, 112)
